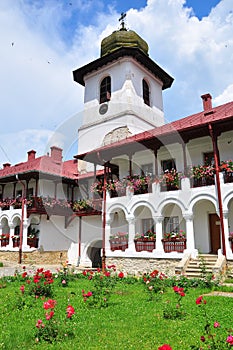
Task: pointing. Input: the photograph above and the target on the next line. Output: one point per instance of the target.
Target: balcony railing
(228, 177)
(203, 181)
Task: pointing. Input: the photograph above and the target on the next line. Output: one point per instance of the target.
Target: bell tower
(123, 90)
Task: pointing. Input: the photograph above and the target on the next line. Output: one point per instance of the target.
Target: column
(131, 226)
(158, 220)
(109, 219)
(25, 230)
(12, 231)
(226, 226)
(189, 232)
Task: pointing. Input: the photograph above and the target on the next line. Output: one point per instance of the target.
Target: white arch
(117, 206)
(227, 199)
(145, 204)
(166, 202)
(202, 196)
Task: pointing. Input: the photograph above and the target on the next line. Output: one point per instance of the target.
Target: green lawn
(130, 321)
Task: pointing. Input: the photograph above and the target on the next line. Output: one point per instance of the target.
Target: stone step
(204, 263)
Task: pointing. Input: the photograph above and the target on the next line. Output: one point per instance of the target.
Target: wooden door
(214, 222)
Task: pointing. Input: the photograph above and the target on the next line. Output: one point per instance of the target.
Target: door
(215, 241)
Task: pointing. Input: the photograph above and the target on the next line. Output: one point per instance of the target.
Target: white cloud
(226, 96)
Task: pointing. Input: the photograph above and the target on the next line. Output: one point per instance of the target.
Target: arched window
(146, 92)
(105, 90)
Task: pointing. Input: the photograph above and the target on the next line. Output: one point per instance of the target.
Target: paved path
(10, 269)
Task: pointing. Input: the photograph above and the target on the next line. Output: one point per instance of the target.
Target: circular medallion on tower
(103, 108)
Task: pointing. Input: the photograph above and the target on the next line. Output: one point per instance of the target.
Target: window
(147, 169)
(105, 90)
(208, 158)
(168, 164)
(147, 224)
(18, 193)
(146, 92)
(16, 230)
(171, 224)
(30, 193)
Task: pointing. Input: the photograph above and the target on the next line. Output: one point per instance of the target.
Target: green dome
(122, 38)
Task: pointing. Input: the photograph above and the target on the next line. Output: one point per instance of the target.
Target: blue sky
(43, 41)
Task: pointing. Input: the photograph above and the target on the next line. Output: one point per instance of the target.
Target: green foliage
(173, 309)
(129, 321)
(155, 284)
(101, 288)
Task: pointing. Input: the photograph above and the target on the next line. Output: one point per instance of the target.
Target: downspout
(104, 221)
(104, 213)
(79, 240)
(216, 162)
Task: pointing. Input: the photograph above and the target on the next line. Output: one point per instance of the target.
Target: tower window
(146, 92)
(105, 90)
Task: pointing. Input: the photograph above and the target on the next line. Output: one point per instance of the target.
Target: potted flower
(15, 240)
(6, 203)
(138, 183)
(174, 241)
(4, 239)
(170, 180)
(202, 175)
(145, 241)
(82, 205)
(32, 237)
(119, 241)
(226, 167)
(116, 188)
(97, 188)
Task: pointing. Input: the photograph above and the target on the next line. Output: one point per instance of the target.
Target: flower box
(118, 244)
(144, 244)
(174, 245)
(4, 242)
(15, 242)
(228, 177)
(203, 181)
(33, 242)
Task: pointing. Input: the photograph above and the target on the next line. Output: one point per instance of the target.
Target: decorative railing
(228, 177)
(174, 245)
(144, 244)
(203, 181)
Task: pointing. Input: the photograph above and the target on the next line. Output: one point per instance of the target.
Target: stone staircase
(204, 263)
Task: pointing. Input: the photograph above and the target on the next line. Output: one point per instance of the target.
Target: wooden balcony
(39, 205)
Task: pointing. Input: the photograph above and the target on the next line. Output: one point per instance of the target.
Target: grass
(129, 322)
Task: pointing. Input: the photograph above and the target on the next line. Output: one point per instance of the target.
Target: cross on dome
(121, 19)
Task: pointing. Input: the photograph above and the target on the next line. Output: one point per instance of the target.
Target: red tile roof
(199, 120)
(44, 164)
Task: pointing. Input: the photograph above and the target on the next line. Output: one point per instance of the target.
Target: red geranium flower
(70, 311)
(165, 347)
(49, 304)
(121, 274)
